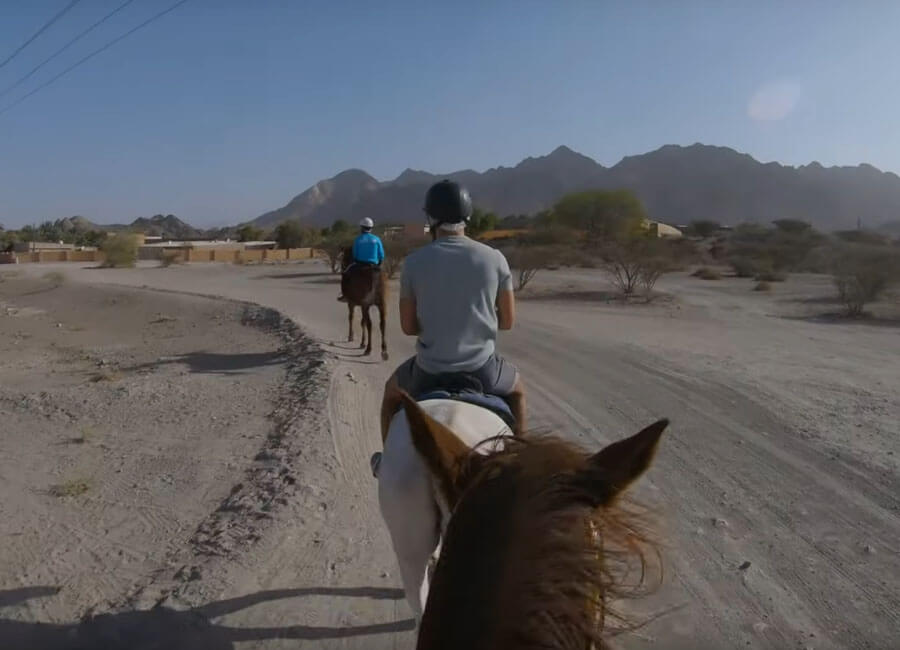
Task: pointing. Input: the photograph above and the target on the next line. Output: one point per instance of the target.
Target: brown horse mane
(564, 550)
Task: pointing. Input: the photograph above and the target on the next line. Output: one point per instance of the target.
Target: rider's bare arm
(409, 323)
(506, 310)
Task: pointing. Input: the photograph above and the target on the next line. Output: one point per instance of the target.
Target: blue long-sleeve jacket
(368, 248)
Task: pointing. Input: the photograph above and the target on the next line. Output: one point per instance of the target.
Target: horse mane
(571, 556)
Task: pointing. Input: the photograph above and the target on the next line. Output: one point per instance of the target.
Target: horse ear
(439, 447)
(612, 469)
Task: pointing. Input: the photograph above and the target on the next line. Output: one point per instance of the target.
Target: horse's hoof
(384, 356)
(367, 353)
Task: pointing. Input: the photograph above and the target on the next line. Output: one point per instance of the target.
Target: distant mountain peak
(676, 183)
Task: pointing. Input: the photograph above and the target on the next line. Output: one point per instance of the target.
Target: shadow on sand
(212, 363)
(296, 276)
(163, 628)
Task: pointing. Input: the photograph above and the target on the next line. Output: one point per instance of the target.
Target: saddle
(497, 405)
(463, 387)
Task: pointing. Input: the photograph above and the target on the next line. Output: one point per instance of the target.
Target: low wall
(179, 255)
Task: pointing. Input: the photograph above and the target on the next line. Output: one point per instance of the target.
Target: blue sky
(224, 109)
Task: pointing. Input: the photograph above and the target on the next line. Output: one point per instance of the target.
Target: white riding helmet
(367, 223)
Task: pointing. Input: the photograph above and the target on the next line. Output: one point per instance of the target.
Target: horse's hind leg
(381, 326)
(367, 330)
(350, 334)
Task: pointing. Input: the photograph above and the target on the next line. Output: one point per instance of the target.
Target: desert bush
(763, 285)
(635, 262)
(748, 267)
(333, 246)
(525, 261)
(395, 251)
(861, 274)
(706, 273)
(702, 228)
(753, 249)
(119, 250)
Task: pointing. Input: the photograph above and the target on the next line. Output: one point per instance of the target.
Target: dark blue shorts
(497, 377)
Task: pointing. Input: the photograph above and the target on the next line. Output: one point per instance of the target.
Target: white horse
(413, 508)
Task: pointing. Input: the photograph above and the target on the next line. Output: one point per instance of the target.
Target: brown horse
(364, 286)
(538, 543)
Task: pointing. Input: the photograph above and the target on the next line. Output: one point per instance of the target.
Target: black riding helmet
(448, 202)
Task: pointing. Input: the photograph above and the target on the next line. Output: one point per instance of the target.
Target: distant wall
(185, 254)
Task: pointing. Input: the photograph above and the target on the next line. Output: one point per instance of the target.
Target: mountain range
(168, 226)
(677, 184)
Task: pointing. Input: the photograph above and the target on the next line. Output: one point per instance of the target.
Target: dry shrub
(525, 261)
(72, 488)
(120, 251)
(56, 278)
(636, 262)
(862, 273)
(395, 251)
(748, 267)
(706, 273)
(763, 285)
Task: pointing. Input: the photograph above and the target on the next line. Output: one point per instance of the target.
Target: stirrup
(375, 463)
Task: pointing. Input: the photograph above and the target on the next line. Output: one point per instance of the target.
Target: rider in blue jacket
(367, 247)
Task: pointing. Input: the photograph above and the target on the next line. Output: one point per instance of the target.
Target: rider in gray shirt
(455, 294)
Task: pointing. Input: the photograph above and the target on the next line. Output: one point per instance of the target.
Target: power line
(93, 54)
(40, 31)
(87, 31)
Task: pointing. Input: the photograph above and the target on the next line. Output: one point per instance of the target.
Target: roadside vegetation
(119, 251)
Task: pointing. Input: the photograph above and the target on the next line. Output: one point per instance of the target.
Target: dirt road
(778, 487)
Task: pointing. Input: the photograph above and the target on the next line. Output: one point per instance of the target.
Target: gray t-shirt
(454, 282)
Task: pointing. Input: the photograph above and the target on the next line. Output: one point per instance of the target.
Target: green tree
(249, 232)
(293, 234)
(51, 232)
(480, 222)
(602, 215)
(341, 227)
(90, 238)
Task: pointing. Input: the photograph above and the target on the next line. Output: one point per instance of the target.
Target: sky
(224, 109)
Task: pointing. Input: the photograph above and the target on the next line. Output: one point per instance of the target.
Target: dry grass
(55, 278)
(104, 375)
(73, 488)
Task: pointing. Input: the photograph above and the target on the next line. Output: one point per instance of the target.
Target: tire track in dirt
(712, 468)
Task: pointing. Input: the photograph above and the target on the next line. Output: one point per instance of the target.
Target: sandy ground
(782, 459)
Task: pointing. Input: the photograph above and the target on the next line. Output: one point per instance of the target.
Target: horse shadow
(216, 363)
(165, 628)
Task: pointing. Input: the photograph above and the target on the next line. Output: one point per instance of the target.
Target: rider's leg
(403, 379)
(500, 377)
(390, 404)
(516, 401)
